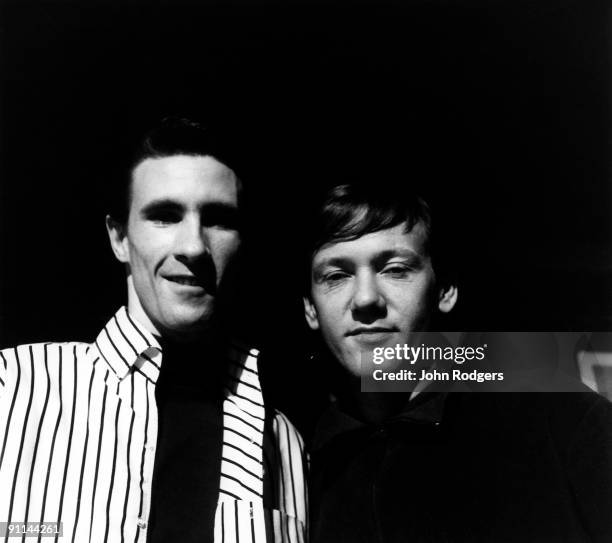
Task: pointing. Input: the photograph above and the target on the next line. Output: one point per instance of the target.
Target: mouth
(370, 331)
(184, 280)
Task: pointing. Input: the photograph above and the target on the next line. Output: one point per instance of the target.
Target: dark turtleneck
(189, 395)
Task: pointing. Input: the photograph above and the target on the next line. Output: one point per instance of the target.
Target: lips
(184, 280)
(370, 331)
(371, 335)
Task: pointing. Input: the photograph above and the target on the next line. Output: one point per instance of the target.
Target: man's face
(373, 291)
(180, 238)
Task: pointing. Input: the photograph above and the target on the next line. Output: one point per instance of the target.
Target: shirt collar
(125, 344)
(243, 386)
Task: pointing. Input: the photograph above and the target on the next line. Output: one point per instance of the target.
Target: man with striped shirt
(158, 430)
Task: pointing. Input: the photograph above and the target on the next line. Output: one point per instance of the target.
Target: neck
(195, 365)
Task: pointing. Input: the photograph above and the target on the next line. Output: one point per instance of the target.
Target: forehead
(390, 241)
(183, 178)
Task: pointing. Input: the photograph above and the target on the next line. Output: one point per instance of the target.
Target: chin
(190, 322)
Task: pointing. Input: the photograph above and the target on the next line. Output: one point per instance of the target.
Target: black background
(503, 107)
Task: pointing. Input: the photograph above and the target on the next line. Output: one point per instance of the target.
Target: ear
(447, 298)
(118, 239)
(310, 312)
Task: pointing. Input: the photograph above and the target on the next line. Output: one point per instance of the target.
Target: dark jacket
(467, 467)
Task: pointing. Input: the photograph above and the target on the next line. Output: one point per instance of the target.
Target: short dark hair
(169, 137)
(352, 210)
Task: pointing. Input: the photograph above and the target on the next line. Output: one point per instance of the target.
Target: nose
(366, 295)
(192, 240)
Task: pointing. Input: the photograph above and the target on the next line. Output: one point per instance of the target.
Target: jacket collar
(427, 407)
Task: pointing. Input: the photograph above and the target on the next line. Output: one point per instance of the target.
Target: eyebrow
(404, 253)
(163, 204)
(158, 205)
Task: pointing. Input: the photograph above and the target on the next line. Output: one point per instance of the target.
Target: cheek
(223, 247)
(331, 332)
(329, 314)
(141, 256)
(414, 304)
(146, 246)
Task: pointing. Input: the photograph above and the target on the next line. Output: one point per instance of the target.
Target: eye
(163, 217)
(333, 277)
(397, 271)
(221, 217)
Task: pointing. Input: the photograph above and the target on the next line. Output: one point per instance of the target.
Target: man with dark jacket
(429, 463)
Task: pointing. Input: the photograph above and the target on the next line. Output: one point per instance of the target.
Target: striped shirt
(78, 434)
